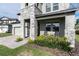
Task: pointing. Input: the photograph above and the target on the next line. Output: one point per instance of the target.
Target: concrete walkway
(10, 42)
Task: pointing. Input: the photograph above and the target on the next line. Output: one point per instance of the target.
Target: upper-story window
(48, 7)
(52, 7)
(55, 6)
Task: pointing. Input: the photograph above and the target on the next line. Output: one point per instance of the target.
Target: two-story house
(46, 18)
(6, 24)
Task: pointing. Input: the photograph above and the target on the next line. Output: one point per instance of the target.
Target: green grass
(5, 34)
(5, 51)
(77, 37)
(38, 52)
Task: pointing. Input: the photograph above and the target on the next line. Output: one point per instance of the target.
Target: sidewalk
(10, 42)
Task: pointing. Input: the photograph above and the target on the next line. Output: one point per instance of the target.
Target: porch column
(70, 29)
(22, 27)
(33, 22)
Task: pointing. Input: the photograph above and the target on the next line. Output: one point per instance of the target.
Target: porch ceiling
(51, 17)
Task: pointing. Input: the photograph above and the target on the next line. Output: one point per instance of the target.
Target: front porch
(37, 26)
(54, 26)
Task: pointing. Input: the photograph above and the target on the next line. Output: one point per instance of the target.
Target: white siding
(17, 31)
(3, 28)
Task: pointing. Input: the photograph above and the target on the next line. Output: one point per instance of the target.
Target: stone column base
(70, 34)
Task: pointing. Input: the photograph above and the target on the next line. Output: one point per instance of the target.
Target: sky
(75, 5)
(11, 9)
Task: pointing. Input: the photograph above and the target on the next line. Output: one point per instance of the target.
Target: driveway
(10, 42)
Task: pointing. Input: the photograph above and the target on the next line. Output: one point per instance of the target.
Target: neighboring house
(6, 24)
(46, 18)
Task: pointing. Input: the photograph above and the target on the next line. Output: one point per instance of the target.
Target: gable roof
(4, 18)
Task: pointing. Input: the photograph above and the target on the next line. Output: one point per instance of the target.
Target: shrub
(19, 39)
(30, 41)
(53, 42)
(40, 40)
(77, 31)
(63, 43)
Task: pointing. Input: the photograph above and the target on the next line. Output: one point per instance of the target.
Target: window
(55, 6)
(52, 7)
(48, 7)
(55, 26)
(48, 27)
(52, 27)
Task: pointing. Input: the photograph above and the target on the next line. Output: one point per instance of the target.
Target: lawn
(31, 50)
(5, 51)
(5, 34)
(77, 37)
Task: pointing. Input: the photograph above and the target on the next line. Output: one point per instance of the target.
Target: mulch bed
(53, 51)
(57, 52)
(75, 51)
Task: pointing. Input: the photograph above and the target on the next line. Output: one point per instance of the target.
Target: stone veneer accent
(70, 29)
(33, 22)
(22, 26)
